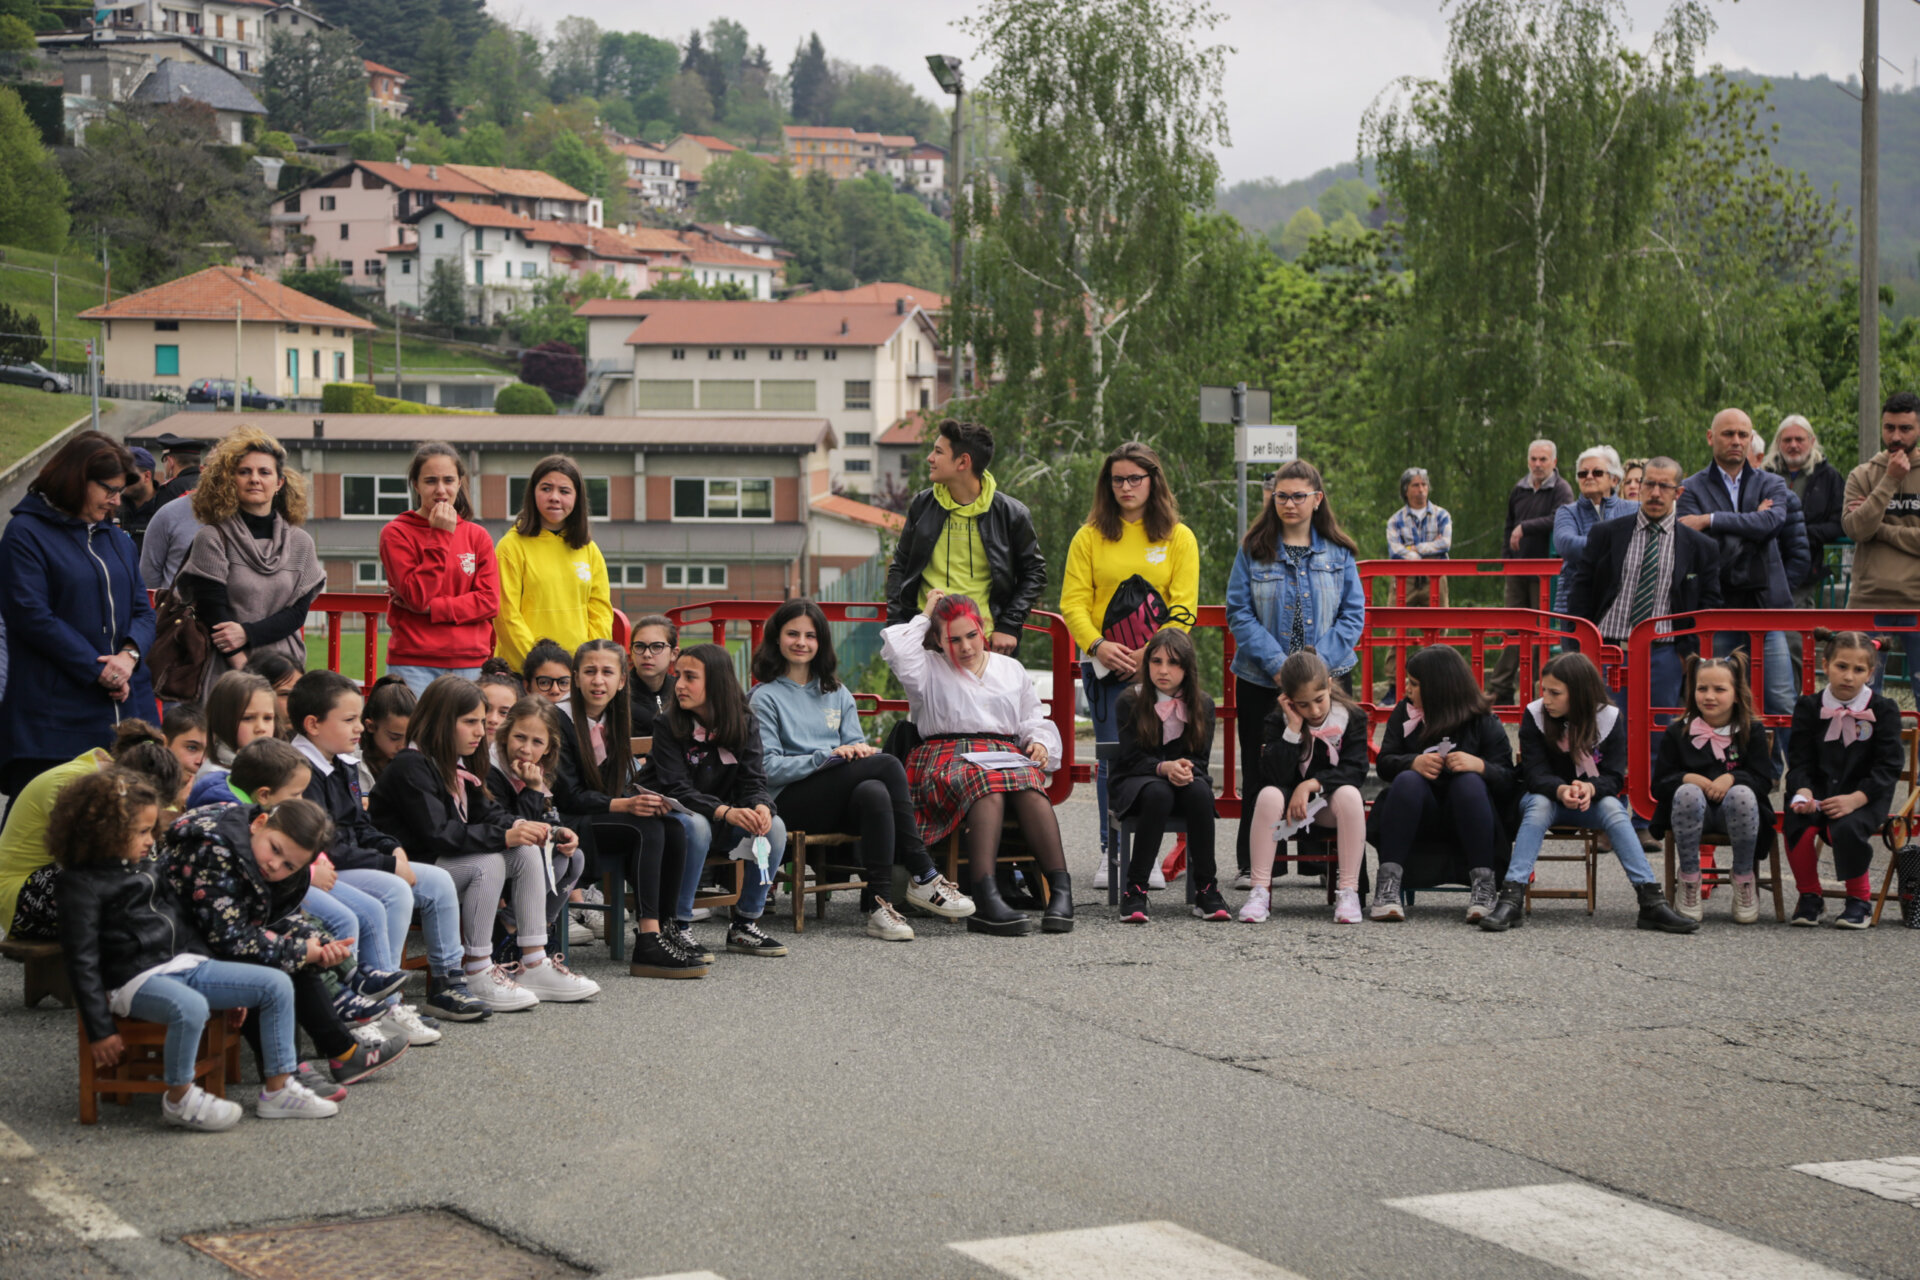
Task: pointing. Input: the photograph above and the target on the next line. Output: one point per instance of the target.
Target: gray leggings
(1737, 817)
(479, 878)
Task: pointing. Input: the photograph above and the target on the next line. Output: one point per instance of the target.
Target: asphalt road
(858, 1108)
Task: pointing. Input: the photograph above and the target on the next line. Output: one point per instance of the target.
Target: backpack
(1135, 612)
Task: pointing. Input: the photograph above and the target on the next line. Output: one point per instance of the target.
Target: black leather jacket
(116, 920)
(1016, 568)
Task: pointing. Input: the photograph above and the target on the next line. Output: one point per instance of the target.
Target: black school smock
(1545, 768)
(1871, 765)
(411, 804)
(1283, 761)
(1437, 861)
(694, 773)
(1750, 762)
(1137, 763)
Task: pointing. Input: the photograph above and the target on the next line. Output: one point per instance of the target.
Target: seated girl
(240, 707)
(384, 734)
(185, 727)
(1450, 806)
(826, 777)
(522, 757)
(1713, 773)
(966, 699)
(131, 952)
(1315, 751)
(278, 671)
(502, 688)
(1165, 726)
(1573, 772)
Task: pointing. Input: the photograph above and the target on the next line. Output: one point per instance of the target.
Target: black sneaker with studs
(682, 937)
(748, 939)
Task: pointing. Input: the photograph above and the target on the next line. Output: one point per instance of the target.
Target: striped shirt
(1618, 620)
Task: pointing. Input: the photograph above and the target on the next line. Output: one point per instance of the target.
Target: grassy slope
(424, 353)
(80, 288)
(28, 417)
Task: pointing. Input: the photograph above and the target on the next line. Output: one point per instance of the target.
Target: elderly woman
(1420, 530)
(252, 572)
(1599, 472)
(76, 613)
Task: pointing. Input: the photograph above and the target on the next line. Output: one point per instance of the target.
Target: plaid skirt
(944, 786)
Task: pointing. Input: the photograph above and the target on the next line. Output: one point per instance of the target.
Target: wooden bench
(46, 969)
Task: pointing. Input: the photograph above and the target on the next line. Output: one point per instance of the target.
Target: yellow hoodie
(958, 565)
(550, 591)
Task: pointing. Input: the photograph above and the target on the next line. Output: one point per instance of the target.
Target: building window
(345, 231)
(739, 353)
(859, 394)
(372, 497)
(799, 353)
(713, 353)
(789, 394)
(369, 573)
(166, 361)
(678, 353)
(406, 266)
(626, 575)
(439, 231)
(699, 498)
(926, 397)
(528, 270)
(373, 267)
(327, 204)
(339, 366)
(166, 326)
(829, 354)
(859, 464)
(599, 495)
(773, 353)
(291, 204)
(726, 393)
(480, 272)
(291, 328)
(346, 266)
(696, 575)
(859, 439)
(316, 366)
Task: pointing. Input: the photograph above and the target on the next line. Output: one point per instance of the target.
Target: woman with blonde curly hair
(252, 572)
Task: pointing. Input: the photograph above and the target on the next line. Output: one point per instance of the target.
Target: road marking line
(1131, 1251)
(689, 1275)
(1591, 1233)
(85, 1216)
(1895, 1178)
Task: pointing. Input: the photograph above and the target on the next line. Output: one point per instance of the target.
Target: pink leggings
(1345, 813)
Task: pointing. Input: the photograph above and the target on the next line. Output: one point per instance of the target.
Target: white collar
(1337, 717)
(1603, 720)
(318, 758)
(1859, 702)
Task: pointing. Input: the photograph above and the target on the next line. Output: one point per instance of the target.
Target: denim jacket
(1260, 596)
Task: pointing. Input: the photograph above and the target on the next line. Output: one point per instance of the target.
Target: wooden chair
(1013, 851)
(142, 1068)
(1902, 825)
(1766, 856)
(1589, 840)
(46, 969)
(793, 872)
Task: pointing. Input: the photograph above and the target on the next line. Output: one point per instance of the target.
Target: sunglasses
(1593, 475)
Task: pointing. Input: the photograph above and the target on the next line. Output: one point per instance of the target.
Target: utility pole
(1870, 233)
(1240, 467)
(236, 359)
(946, 70)
(396, 355)
(56, 312)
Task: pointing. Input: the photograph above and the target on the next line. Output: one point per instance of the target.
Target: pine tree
(33, 194)
(435, 82)
(812, 84)
(446, 295)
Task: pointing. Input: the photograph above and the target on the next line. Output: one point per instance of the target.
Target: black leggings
(866, 798)
(1455, 807)
(1157, 801)
(313, 1010)
(650, 852)
(1251, 705)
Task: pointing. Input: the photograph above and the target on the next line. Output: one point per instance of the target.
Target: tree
(20, 338)
(1293, 239)
(446, 295)
(1347, 196)
(811, 82)
(876, 100)
(16, 35)
(685, 289)
(700, 62)
(371, 144)
(400, 29)
(551, 318)
(314, 82)
(571, 161)
(637, 68)
(436, 75)
(573, 59)
(727, 54)
(690, 102)
(323, 282)
(518, 397)
(33, 192)
(484, 143)
(556, 367)
(727, 186)
(503, 76)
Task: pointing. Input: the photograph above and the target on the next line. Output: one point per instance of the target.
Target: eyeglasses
(112, 490)
(1294, 499)
(1598, 474)
(1127, 482)
(1657, 486)
(651, 647)
(553, 684)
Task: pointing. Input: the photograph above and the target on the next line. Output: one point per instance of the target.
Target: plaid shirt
(1420, 535)
(1618, 620)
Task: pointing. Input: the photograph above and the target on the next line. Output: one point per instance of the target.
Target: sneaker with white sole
(1242, 881)
(1100, 875)
(295, 1102)
(939, 897)
(1346, 907)
(553, 981)
(1257, 906)
(408, 1020)
(367, 1057)
(1482, 894)
(201, 1111)
(1746, 900)
(702, 913)
(498, 988)
(579, 932)
(747, 938)
(1156, 879)
(1686, 899)
(321, 1086)
(888, 925)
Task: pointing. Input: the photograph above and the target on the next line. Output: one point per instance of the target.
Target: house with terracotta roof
(386, 89)
(832, 149)
(925, 170)
(502, 256)
(711, 262)
(224, 320)
(694, 152)
(886, 291)
(746, 239)
(903, 448)
(846, 534)
(861, 366)
(231, 33)
(653, 174)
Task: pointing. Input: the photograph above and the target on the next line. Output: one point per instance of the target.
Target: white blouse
(943, 699)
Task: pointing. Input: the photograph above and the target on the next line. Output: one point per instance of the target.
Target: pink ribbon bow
(702, 734)
(1840, 716)
(466, 777)
(1173, 718)
(1705, 735)
(1414, 717)
(1331, 735)
(598, 733)
(1585, 765)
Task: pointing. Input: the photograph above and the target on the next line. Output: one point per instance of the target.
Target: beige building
(226, 319)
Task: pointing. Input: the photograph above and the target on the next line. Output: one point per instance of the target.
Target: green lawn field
(28, 417)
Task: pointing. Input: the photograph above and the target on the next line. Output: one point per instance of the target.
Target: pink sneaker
(1254, 909)
(1346, 906)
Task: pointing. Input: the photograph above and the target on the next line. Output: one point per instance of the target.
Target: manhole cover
(407, 1246)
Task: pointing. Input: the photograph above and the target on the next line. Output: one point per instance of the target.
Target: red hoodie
(445, 589)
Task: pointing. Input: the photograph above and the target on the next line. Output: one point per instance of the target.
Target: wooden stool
(142, 1068)
(794, 873)
(1589, 838)
(46, 969)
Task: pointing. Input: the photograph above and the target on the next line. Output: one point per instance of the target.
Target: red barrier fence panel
(1536, 632)
(338, 606)
(1399, 572)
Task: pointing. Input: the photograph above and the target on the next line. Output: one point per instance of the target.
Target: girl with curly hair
(252, 571)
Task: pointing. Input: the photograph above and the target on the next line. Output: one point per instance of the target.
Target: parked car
(31, 373)
(220, 391)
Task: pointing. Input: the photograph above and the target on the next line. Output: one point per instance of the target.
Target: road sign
(89, 348)
(1266, 445)
(1216, 405)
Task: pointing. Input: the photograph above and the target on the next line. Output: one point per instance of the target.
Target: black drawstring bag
(1134, 613)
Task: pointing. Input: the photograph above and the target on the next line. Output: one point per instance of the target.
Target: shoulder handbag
(182, 647)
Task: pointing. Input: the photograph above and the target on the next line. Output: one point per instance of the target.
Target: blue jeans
(701, 843)
(395, 900)
(1537, 813)
(183, 1001)
(1781, 694)
(418, 678)
(1666, 676)
(350, 913)
(438, 901)
(1101, 700)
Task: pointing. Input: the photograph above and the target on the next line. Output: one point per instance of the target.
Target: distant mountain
(1267, 203)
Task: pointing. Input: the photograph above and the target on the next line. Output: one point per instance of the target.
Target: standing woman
(252, 572)
(76, 613)
(1295, 584)
(1133, 529)
(1600, 474)
(442, 576)
(553, 580)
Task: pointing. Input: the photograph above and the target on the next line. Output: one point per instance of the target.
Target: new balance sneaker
(377, 984)
(749, 939)
(352, 1007)
(364, 1059)
(294, 1102)
(318, 1085)
(1243, 881)
(939, 897)
(1686, 899)
(1255, 909)
(553, 981)
(1807, 912)
(448, 998)
(888, 925)
(498, 986)
(411, 1025)
(201, 1111)
(1346, 907)
(1209, 905)
(1746, 900)
(1858, 915)
(680, 937)
(1133, 905)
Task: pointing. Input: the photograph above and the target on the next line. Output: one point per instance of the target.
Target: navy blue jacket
(70, 595)
(1753, 568)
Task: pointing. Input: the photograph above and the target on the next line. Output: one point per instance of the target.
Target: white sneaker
(406, 1020)
(552, 980)
(1156, 879)
(1255, 909)
(295, 1102)
(887, 924)
(1686, 899)
(1242, 881)
(579, 932)
(200, 1110)
(495, 987)
(939, 897)
(1746, 901)
(1346, 906)
(701, 913)
(1100, 876)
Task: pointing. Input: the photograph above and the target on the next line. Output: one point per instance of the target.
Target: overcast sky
(1304, 70)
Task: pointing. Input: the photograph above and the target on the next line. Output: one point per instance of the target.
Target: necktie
(1647, 587)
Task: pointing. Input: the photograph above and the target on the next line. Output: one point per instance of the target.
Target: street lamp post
(946, 70)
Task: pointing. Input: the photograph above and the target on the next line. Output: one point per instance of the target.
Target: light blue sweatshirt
(800, 726)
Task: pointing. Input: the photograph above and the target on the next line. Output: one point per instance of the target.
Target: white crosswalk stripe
(1591, 1233)
(1893, 1178)
(689, 1275)
(1132, 1251)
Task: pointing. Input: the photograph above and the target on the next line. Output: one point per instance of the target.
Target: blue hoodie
(800, 726)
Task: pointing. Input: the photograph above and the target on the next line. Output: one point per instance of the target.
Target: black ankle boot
(1058, 917)
(1016, 888)
(992, 915)
(1509, 912)
(1657, 913)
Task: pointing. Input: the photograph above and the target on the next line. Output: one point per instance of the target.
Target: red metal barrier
(1399, 571)
(337, 605)
(1537, 632)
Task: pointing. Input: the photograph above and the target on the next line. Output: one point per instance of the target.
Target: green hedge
(359, 397)
(518, 397)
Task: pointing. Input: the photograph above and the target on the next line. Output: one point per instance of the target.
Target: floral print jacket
(209, 859)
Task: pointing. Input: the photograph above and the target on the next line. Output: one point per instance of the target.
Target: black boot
(1058, 917)
(1510, 911)
(992, 915)
(1016, 887)
(1657, 913)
